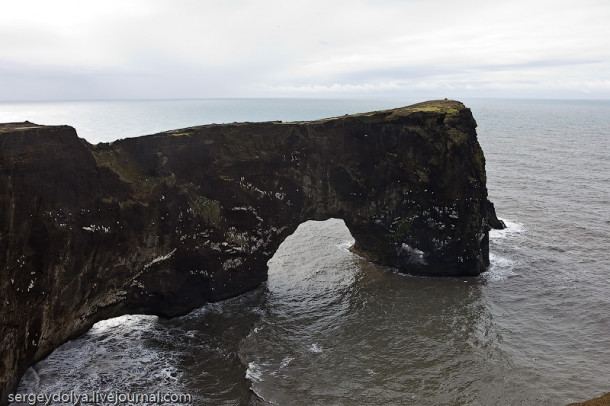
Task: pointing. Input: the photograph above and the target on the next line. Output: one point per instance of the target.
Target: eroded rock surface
(162, 224)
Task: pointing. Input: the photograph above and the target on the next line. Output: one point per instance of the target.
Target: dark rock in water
(165, 223)
(603, 400)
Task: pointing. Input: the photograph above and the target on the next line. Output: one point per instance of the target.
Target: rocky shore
(603, 400)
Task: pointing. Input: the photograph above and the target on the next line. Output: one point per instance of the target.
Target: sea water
(329, 328)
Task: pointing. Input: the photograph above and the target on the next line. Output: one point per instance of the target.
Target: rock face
(162, 224)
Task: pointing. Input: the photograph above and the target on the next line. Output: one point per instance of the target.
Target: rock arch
(164, 223)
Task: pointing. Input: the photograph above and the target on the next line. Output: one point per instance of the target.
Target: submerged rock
(603, 400)
(164, 223)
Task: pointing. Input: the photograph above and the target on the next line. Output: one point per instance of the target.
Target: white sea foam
(113, 354)
(500, 268)
(286, 361)
(254, 373)
(129, 321)
(512, 227)
(345, 245)
(315, 348)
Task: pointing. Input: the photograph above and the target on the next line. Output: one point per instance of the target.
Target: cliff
(164, 223)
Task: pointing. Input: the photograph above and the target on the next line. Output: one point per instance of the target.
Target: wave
(112, 355)
(286, 361)
(512, 227)
(500, 268)
(345, 245)
(315, 348)
(254, 372)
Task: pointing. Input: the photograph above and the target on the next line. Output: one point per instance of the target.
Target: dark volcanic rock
(165, 223)
(603, 400)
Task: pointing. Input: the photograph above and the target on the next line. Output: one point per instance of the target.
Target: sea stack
(162, 224)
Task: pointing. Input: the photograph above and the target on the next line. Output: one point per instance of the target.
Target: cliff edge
(162, 224)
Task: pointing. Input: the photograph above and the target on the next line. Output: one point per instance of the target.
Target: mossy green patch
(206, 209)
(449, 107)
(129, 172)
(422, 175)
(457, 137)
(479, 158)
(435, 109)
(405, 226)
(112, 159)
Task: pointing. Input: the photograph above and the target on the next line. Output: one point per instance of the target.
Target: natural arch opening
(313, 260)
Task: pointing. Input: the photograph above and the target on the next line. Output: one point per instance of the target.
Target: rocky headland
(162, 224)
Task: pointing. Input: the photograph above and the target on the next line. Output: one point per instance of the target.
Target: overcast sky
(141, 49)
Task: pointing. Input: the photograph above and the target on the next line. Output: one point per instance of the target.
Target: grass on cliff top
(434, 109)
(435, 106)
(432, 106)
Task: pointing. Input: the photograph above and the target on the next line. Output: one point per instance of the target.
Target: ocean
(329, 328)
